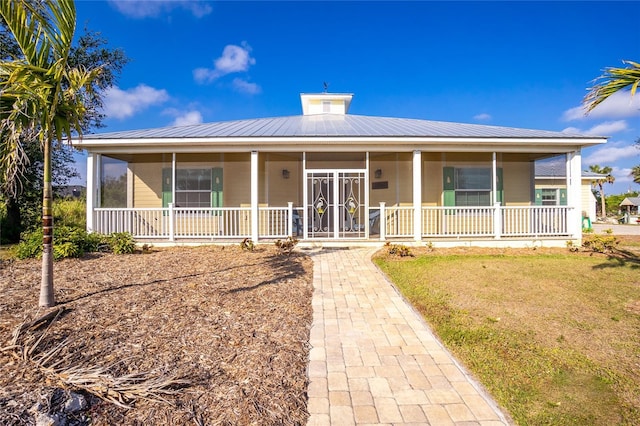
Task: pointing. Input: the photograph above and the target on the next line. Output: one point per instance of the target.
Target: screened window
(472, 186)
(193, 188)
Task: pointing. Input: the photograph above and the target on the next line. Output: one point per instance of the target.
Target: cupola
(325, 103)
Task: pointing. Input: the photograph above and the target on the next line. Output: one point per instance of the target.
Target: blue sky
(518, 64)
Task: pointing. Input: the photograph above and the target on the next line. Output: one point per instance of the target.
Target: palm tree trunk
(47, 298)
(603, 207)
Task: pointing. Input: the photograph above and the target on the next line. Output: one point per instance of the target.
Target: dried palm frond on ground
(71, 370)
(234, 324)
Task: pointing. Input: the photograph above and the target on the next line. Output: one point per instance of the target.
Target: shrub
(122, 243)
(286, 246)
(398, 249)
(73, 242)
(600, 243)
(30, 245)
(247, 244)
(70, 212)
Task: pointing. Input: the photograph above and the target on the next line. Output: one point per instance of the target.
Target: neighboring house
(330, 176)
(70, 191)
(630, 206)
(551, 187)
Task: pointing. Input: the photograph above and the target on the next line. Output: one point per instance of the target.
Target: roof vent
(325, 103)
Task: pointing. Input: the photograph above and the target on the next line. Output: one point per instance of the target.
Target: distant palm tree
(613, 80)
(40, 95)
(600, 181)
(635, 172)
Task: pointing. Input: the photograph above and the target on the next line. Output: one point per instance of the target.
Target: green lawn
(554, 337)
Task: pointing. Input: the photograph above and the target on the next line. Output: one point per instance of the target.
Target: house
(329, 176)
(70, 191)
(630, 206)
(551, 186)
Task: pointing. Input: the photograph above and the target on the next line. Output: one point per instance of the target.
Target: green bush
(70, 212)
(73, 242)
(600, 243)
(122, 243)
(30, 245)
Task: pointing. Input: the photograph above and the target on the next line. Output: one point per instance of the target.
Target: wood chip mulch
(234, 323)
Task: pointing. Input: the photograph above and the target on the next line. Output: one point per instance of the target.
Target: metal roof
(332, 125)
(631, 201)
(558, 169)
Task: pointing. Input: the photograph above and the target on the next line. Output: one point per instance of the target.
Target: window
(326, 106)
(470, 186)
(193, 188)
(551, 197)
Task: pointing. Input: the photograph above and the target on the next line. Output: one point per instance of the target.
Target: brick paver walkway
(374, 360)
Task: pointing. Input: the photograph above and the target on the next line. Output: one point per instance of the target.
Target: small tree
(599, 183)
(43, 98)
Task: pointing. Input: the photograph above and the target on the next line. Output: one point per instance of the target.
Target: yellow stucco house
(329, 176)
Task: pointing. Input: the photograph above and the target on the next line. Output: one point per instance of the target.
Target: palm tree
(600, 181)
(41, 98)
(613, 80)
(635, 172)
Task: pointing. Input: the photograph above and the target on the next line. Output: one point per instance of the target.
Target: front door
(336, 204)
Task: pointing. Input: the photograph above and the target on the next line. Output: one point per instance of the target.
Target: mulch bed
(234, 324)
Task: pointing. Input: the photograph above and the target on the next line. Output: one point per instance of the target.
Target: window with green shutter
(469, 186)
(194, 187)
(551, 197)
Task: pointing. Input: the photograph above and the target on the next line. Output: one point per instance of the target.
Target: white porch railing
(384, 222)
(195, 223)
(495, 221)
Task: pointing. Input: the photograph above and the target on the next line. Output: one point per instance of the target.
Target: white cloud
(603, 129)
(122, 104)
(234, 59)
(482, 117)
(619, 105)
(245, 87)
(155, 8)
(608, 128)
(188, 118)
(622, 175)
(610, 153)
(572, 130)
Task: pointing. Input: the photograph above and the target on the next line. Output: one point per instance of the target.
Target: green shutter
(448, 186)
(538, 200)
(563, 197)
(217, 186)
(500, 186)
(166, 187)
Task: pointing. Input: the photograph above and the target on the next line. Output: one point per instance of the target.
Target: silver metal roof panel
(329, 125)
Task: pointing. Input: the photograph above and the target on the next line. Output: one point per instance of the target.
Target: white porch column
(92, 184)
(497, 212)
(417, 195)
(254, 197)
(574, 194)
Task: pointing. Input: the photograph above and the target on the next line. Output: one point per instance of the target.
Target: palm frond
(42, 33)
(612, 81)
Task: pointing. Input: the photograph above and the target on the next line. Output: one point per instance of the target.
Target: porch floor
(374, 360)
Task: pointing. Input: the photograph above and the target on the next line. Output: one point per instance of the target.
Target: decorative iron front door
(336, 205)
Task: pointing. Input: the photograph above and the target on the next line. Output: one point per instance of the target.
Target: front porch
(386, 223)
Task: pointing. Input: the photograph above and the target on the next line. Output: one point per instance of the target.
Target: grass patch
(552, 336)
